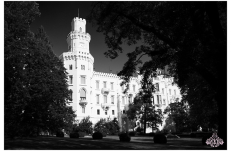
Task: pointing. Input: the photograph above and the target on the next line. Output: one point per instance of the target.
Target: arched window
(80, 29)
(82, 94)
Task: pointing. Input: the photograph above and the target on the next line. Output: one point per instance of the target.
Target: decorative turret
(78, 39)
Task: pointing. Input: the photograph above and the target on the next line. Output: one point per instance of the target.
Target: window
(70, 67)
(130, 99)
(105, 98)
(97, 99)
(71, 93)
(157, 87)
(128, 86)
(164, 101)
(104, 84)
(112, 99)
(123, 100)
(98, 112)
(174, 92)
(162, 90)
(97, 84)
(122, 88)
(123, 111)
(80, 29)
(82, 94)
(134, 88)
(69, 47)
(83, 79)
(106, 113)
(82, 67)
(83, 109)
(169, 91)
(70, 79)
(159, 99)
(112, 86)
(113, 112)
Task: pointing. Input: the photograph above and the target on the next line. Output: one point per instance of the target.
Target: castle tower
(79, 64)
(78, 39)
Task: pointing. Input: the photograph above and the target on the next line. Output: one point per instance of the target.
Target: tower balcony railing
(83, 101)
(105, 90)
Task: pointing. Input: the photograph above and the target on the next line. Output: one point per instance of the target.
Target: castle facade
(97, 94)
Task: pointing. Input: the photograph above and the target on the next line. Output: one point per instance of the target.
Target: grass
(109, 142)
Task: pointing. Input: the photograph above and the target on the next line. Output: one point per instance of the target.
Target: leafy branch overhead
(187, 38)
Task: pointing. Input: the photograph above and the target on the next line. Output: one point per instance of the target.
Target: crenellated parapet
(79, 20)
(110, 75)
(79, 35)
(102, 74)
(77, 56)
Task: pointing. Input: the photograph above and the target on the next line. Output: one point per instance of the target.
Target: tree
(36, 90)
(145, 112)
(189, 38)
(85, 125)
(179, 114)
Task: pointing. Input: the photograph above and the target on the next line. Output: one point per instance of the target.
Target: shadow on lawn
(111, 143)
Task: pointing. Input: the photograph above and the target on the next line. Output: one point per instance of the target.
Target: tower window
(70, 67)
(97, 98)
(82, 67)
(112, 99)
(98, 112)
(97, 84)
(112, 86)
(105, 99)
(71, 93)
(83, 109)
(113, 112)
(70, 79)
(105, 84)
(83, 79)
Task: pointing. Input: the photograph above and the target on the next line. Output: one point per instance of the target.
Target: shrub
(160, 139)
(81, 134)
(74, 135)
(59, 134)
(132, 133)
(97, 135)
(124, 137)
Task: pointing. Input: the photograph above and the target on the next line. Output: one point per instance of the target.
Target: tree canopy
(36, 91)
(188, 37)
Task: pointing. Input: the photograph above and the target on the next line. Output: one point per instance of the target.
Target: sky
(56, 19)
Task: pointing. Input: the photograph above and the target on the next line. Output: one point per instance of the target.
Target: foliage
(59, 134)
(160, 139)
(190, 38)
(132, 133)
(110, 127)
(178, 115)
(137, 110)
(85, 125)
(124, 137)
(74, 135)
(36, 90)
(97, 135)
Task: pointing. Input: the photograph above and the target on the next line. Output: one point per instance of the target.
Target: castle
(97, 94)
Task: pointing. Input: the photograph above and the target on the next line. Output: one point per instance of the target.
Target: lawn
(109, 142)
